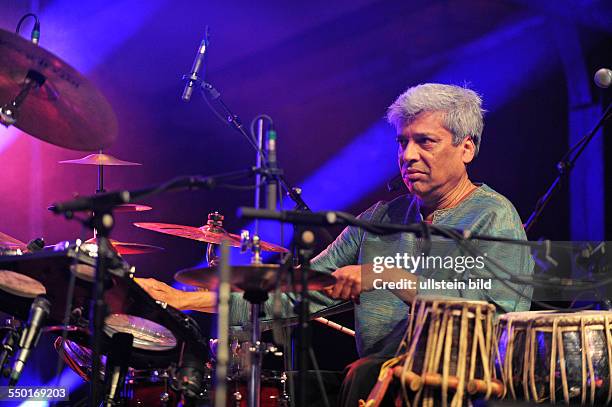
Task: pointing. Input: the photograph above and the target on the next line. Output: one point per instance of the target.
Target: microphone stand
(564, 167)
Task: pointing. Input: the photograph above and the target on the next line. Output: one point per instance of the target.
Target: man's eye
(402, 142)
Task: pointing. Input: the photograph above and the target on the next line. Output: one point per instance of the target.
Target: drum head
(148, 335)
(20, 285)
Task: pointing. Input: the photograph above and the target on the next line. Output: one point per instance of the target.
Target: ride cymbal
(62, 107)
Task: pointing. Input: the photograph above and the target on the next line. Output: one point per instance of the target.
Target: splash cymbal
(126, 248)
(259, 277)
(99, 159)
(62, 106)
(206, 233)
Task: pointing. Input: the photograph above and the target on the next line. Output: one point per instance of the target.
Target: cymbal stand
(256, 298)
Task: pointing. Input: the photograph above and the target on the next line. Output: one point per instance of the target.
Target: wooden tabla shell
(554, 357)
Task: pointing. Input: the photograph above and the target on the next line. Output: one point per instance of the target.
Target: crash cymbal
(8, 242)
(125, 248)
(99, 159)
(66, 110)
(259, 277)
(206, 233)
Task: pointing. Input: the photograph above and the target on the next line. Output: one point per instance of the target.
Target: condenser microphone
(39, 311)
(198, 62)
(603, 78)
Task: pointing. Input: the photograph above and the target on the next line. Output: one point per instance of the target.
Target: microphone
(271, 186)
(35, 36)
(193, 77)
(603, 78)
(95, 203)
(29, 339)
(295, 217)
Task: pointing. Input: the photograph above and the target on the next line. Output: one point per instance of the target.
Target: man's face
(429, 162)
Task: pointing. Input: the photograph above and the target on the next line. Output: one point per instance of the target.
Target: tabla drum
(557, 357)
(446, 355)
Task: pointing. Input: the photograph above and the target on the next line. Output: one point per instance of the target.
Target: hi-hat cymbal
(125, 248)
(205, 234)
(99, 159)
(8, 242)
(67, 110)
(257, 277)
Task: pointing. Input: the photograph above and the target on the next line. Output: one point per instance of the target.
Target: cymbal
(206, 233)
(99, 159)
(124, 208)
(9, 242)
(131, 208)
(259, 277)
(67, 110)
(125, 248)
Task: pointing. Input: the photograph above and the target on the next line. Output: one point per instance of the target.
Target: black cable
(22, 19)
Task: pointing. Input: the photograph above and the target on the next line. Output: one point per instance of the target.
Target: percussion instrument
(446, 355)
(99, 159)
(48, 99)
(206, 234)
(255, 277)
(127, 248)
(157, 387)
(557, 357)
(10, 243)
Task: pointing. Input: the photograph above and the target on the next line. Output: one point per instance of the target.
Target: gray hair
(462, 107)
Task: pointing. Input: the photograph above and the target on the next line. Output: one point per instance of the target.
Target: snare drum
(446, 355)
(551, 356)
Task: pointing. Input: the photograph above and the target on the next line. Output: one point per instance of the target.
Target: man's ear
(469, 150)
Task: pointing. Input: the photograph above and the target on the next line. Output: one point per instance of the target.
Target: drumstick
(335, 326)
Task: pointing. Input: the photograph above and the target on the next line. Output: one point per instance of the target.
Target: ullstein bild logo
(459, 264)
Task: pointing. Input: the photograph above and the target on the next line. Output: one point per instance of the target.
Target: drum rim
(547, 318)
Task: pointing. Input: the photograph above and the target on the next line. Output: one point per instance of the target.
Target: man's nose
(411, 152)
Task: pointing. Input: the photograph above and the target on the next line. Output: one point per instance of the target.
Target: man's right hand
(203, 301)
(162, 291)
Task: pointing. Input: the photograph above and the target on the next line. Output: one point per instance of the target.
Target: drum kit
(144, 352)
(149, 353)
